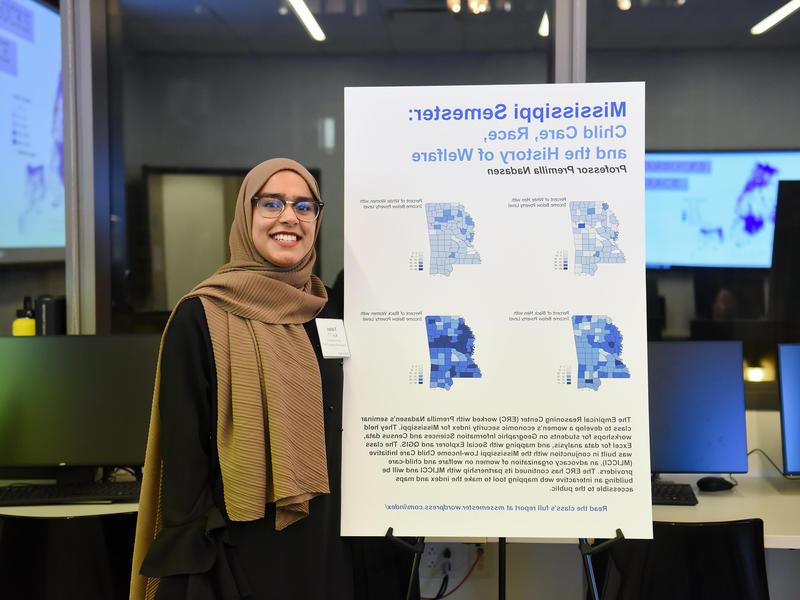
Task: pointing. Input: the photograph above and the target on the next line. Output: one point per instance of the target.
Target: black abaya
(200, 554)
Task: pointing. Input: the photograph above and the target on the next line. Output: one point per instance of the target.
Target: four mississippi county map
(451, 342)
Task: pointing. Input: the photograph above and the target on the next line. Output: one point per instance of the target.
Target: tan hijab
(270, 431)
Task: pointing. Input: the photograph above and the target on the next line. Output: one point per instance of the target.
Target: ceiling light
(477, 7)
(507, 6)
(776, 17)
(307, 19)
(544, 26)
(624, 4)
(454, 6)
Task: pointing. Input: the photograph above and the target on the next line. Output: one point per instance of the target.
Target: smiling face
(284, 240)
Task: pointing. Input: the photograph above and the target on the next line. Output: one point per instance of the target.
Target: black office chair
(690, 561)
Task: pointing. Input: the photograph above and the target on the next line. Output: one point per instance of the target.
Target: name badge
(333, 338)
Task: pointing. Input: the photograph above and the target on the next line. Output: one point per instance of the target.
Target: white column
(83, 35)
(570, 41)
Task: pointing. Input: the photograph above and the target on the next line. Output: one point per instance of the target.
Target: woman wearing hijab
(241, 481)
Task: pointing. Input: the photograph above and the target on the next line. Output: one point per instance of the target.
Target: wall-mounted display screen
(31, 132)
(713, 209)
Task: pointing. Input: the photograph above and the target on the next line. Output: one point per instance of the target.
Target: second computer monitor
(697, 409)
(789, 366)
(75, 400)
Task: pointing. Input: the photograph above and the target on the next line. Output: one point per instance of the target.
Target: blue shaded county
(595, 229)
(451, 231)
(451, 344)
(599, 346)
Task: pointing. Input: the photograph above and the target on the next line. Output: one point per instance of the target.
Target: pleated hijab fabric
(270, 430)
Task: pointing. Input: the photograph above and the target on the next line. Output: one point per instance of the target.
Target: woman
(240, 498)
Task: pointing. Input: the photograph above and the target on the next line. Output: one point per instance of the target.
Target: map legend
(416, 262)
(564, 375)
(415, 375)
(561, 261)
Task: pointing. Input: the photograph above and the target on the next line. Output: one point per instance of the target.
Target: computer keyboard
(25, 495)
(665, 493)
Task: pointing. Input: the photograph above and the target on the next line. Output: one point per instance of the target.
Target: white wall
(189, 234)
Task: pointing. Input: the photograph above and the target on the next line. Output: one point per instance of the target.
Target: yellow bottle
(24, 324)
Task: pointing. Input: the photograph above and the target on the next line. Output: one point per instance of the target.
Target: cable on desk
(460, 583)
(772, 462)
(442, 587)
(471, 569)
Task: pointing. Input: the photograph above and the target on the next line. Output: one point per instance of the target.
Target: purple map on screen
(755, 207)
(44, 184)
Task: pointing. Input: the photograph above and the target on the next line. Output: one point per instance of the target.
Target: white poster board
(494, 265)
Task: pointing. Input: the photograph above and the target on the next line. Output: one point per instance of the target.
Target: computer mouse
(713, 484)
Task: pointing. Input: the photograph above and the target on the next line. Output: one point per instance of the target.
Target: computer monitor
(789, 370)
(714, 209)
(32, 213)
(697, 411)
(75, 401)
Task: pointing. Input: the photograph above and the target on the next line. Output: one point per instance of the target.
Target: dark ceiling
(257, 27)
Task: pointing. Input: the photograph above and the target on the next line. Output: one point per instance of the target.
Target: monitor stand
(75, 475)
(61, 475)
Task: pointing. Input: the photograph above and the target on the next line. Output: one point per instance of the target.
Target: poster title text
(529, 114)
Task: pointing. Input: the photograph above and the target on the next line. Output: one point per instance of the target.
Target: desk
(61, 552)
(773, 499)
(553, 567)
(761, 492)
(67, 511)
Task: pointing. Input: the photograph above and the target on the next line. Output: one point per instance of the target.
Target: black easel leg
(418, 548)
(501, 575)
(413, 582)
(587, 560)
(587, 550)
(413, 578)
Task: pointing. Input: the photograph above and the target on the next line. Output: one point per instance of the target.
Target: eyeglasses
(271, 207)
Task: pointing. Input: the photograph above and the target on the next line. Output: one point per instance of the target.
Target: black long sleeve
(200, 554)
(190, 554)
